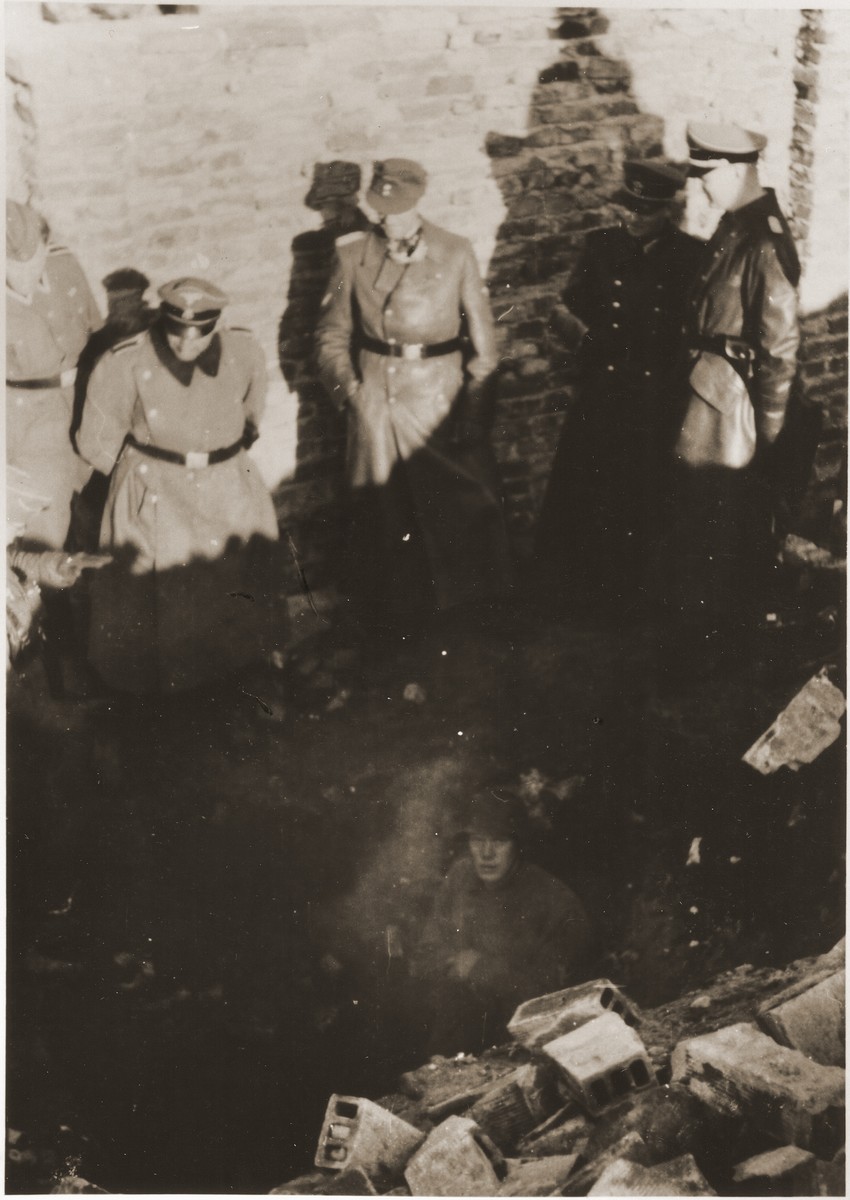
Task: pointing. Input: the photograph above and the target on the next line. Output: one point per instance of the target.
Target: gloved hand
(56, 569)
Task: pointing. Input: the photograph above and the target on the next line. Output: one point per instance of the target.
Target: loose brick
(777, 1091)
(358, 1133)
(537, 1176)
(787, 1171)
(516, 1104)
(601, 1061)
(455, 1160)
(810, 1019)
(681, 1177)
(547, 1017)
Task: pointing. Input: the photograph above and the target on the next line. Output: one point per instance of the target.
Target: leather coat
(746, 290)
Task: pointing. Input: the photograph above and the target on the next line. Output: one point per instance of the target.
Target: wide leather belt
(195, 460)
(66, 379)
(409, 350)
(736, 349)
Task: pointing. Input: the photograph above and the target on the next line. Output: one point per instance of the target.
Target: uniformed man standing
(50, 315)
(406, 346)
(742, 337)
(623, 309)
(169, 414)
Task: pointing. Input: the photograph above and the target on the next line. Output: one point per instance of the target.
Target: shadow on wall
(557, 182)
(314, 522)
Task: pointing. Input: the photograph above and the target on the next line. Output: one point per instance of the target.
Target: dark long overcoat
(603, 507)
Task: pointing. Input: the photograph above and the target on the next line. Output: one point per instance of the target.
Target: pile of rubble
(582, 1103)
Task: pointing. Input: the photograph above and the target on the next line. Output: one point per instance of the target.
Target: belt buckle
(196, 460)
(411, 350)
(67, 378)
(733, 351)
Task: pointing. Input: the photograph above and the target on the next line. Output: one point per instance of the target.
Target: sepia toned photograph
(426, 484)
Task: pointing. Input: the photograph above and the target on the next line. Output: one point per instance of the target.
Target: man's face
(645, 225)
(188, 342)
(492, 857)
(722, 185)
(400, 225)
(23, 277)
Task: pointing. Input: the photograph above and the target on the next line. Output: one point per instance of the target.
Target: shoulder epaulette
(774, 224)
(347, 238)
(127, 343)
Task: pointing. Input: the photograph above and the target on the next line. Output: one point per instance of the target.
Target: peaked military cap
(24, 231)
(190, 301)
(397, 184)
(647, 185)
(710, 144)
(126, 281)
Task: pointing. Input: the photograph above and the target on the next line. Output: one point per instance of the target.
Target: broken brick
(777, 1091)
(786, 1171)
(537, 1176)
(564, 1133)
(602, 1061)
(671, 1120)
(680, 1177)
(547, 1017)
(457, 1159)
(359, 1133)
(809, 1019)
(631, 1147)
(517, 1104)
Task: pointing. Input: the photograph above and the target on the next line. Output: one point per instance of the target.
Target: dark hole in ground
(199, 898)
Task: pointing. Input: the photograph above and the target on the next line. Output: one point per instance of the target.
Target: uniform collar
(184, 372)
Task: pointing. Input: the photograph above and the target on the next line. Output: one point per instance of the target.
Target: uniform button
(153, 414)
(647, 373)
(618, 283)
(143, 469)
(146, 374)
(616, 304)
(656, 309)
(391, 341)
(389, 312)
(615, 325)
(610, 367)
(391, 399)
(391, 370)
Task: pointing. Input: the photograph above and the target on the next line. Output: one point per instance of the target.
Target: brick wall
(188, 143)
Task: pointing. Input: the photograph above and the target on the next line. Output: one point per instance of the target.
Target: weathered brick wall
(188, 143)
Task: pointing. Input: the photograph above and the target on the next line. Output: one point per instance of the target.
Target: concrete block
(537, 1176)
(787, 1171)
(359, 1133)
(547, 1017)
(680, 1177)
(517, 1104)
(457, 1159)
(810, 1020)
(602, 1061)
(779, 1092)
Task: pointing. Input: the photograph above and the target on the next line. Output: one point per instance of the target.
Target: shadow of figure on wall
(311, 501)
(127, 313)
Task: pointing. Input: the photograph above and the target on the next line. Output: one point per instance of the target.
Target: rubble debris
(680, 1177)
(516, 1104)
(670, 1119)
(545, 1018)
(73, 1184)
(537, 1176)
(414, 694)
(831, 1176)
(786, 1171)
(693, 859)
(457, 1159)
(442, 1078)
(631, 1147)
(809, 1019)
(565, 1132)
(803, 730)
(359, 1133)
(601, 1061)
(777, 1091)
